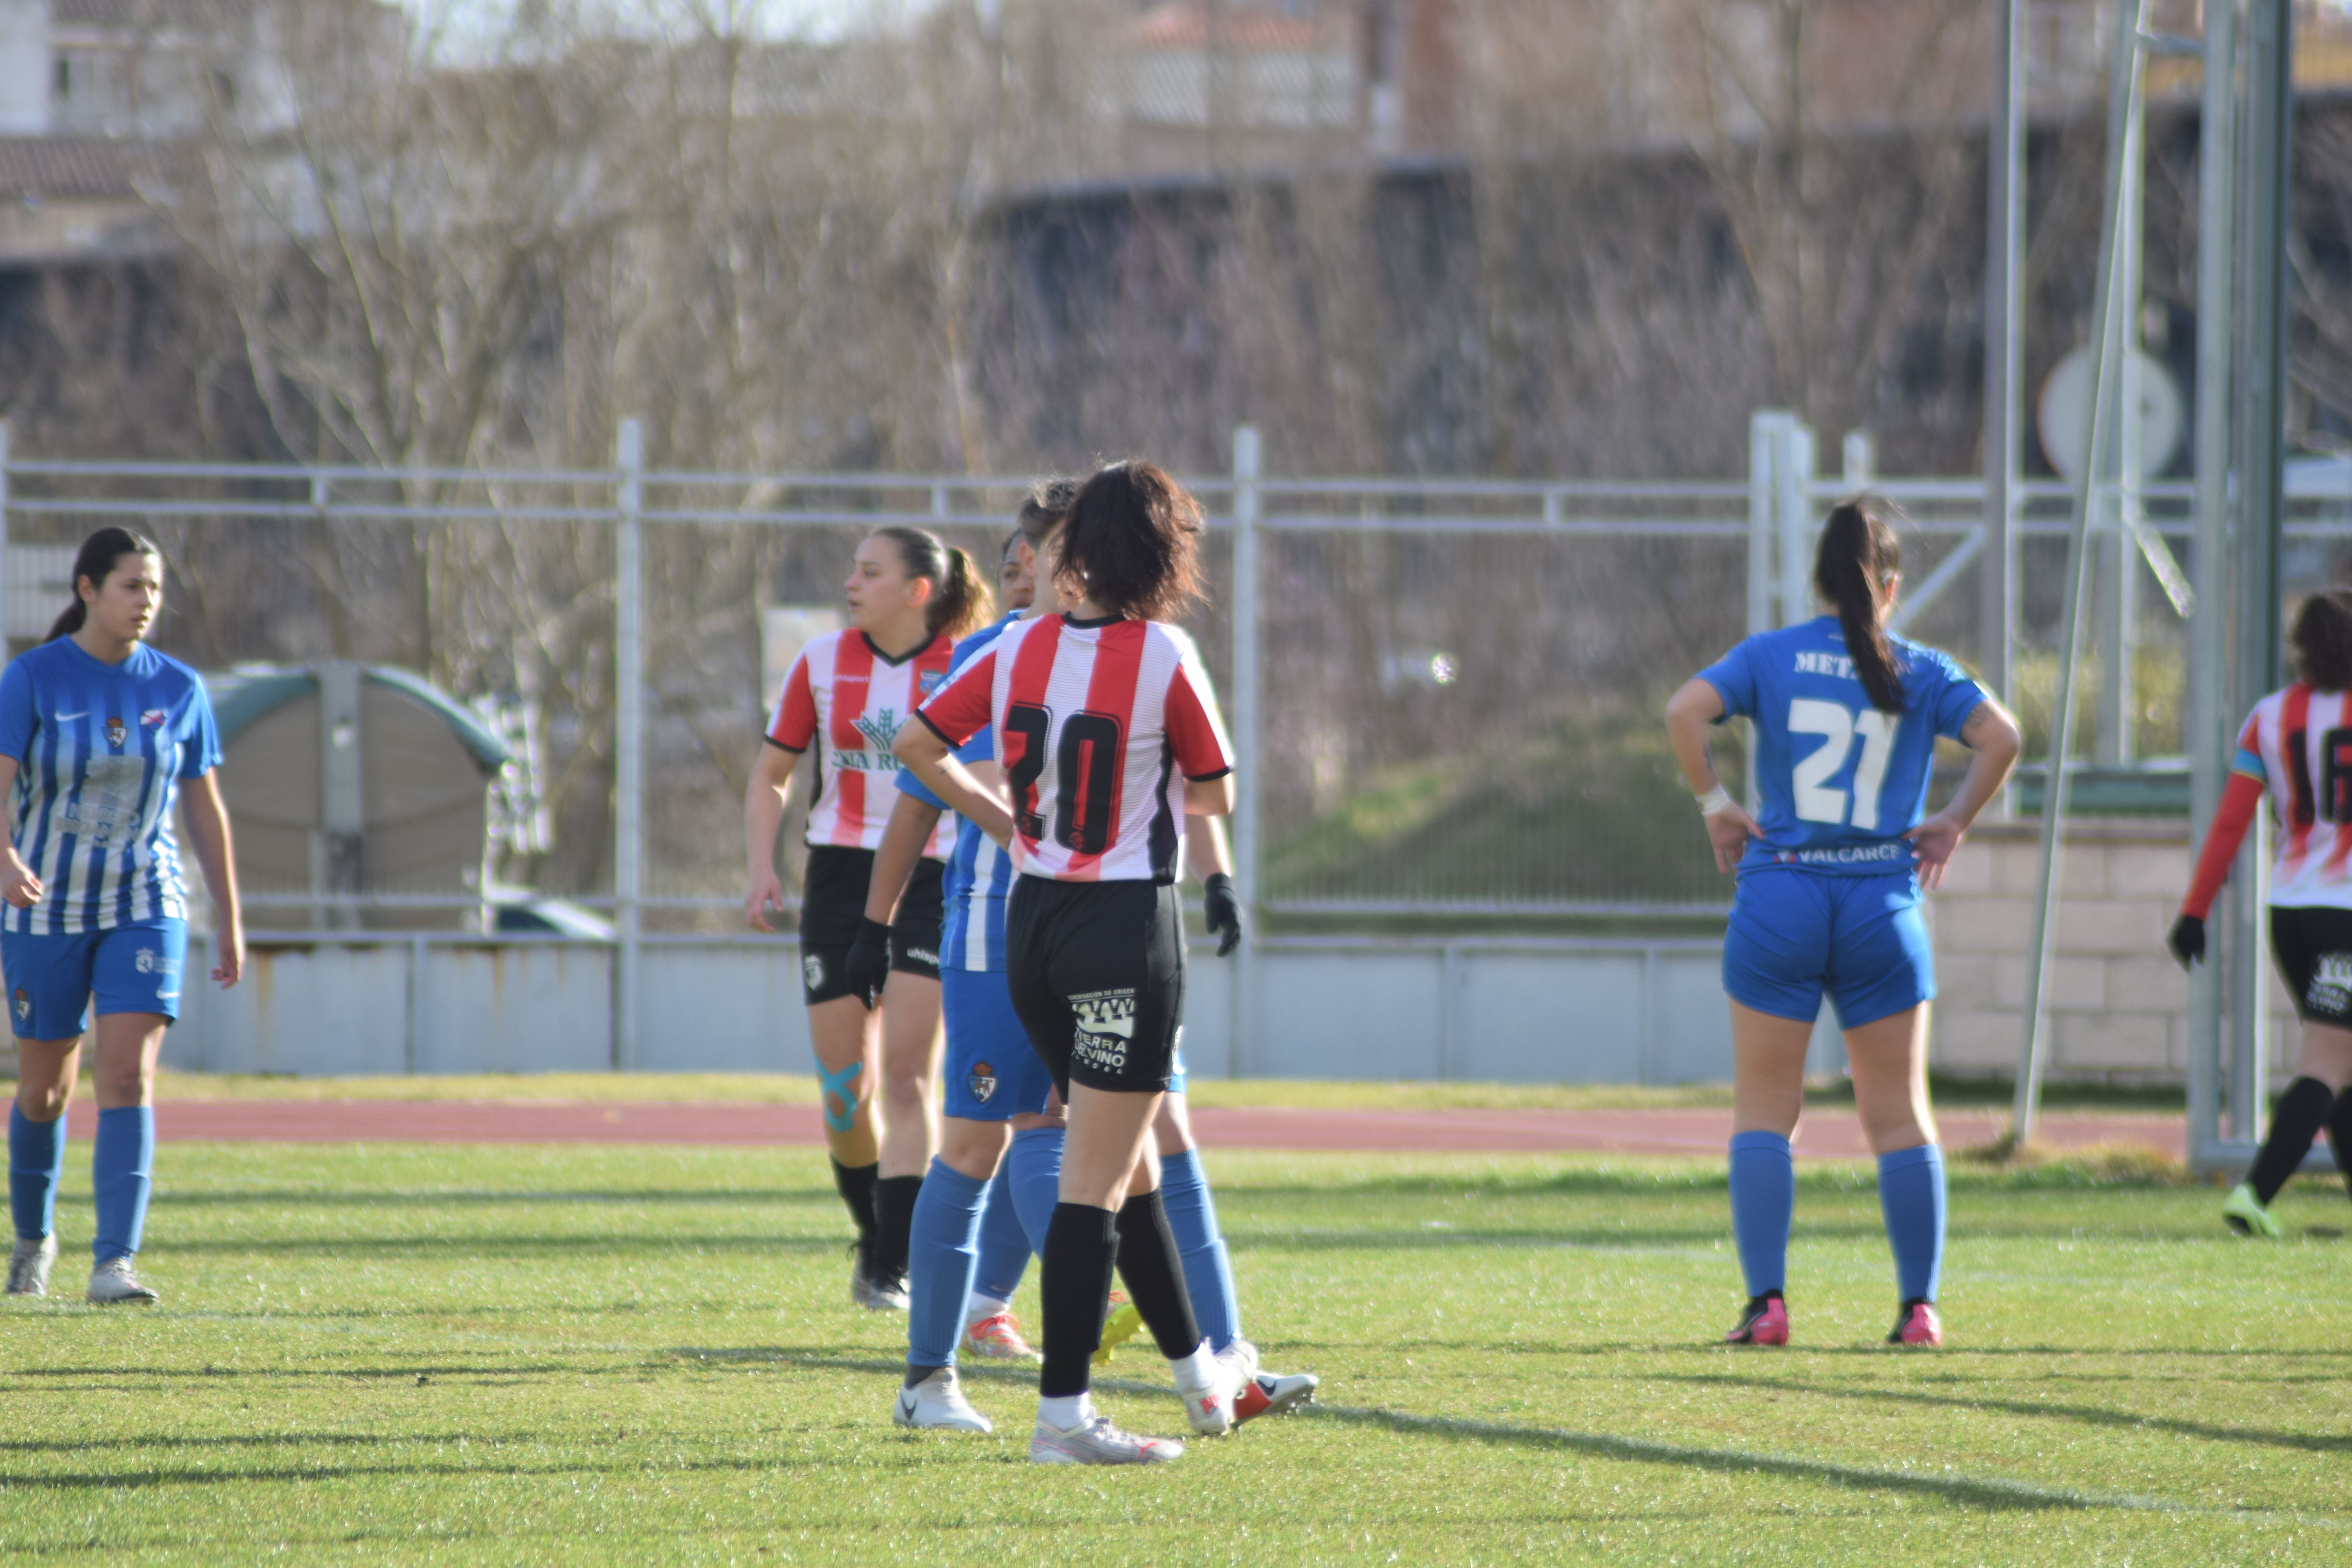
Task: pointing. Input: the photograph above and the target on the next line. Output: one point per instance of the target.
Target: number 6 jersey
(2298, 742)
(1098, 725)
(1841, 781)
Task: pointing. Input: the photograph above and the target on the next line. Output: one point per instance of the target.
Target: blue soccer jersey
(978, 876)
(101, 750)
(1841, 781)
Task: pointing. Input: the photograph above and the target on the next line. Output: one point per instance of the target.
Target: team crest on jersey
(154, 718)
(117, 732)
(930, 680)
(881, 728)
(983, 1082)
(1106, 1026)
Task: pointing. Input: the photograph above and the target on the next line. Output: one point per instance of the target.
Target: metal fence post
(628, 745)
(2004, 360)
(2210, 719)
(1764, 427)
(1242, 1055)
(4, 528)
(1795, 477)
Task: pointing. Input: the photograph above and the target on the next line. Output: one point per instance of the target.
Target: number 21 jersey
(1841, 781)
(1098, 724)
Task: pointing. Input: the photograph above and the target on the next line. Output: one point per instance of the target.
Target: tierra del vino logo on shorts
(2331, 983)
(813, 972)
(1106, 1025)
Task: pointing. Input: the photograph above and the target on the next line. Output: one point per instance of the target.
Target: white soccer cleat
(875, 1295)
(1211, 1409)
(1096, 1442)
(938, 1403)
(997, 1337)
(28, 1265)
(112, 1283)
(1261, 1393)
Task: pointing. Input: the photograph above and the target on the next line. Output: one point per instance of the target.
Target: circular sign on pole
(2063, 416)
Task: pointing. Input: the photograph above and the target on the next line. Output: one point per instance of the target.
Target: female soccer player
(910, 597)
(1844, 719)
(1107, 733)
(98, 733)
(2297, 745)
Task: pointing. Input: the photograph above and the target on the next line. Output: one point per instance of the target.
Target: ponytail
(95, 559)
(1859, 556)
(961, 602)
(2322, 640)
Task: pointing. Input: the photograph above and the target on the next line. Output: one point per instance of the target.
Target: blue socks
(1208, 1270)
(941, 1253)
(1911, 1196)
(37, 1162)
(1763, 1196)
(118, 1170)
(1004, 1244)
(1033, 1175)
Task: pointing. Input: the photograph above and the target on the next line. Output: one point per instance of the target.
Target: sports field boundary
(1833, 1135)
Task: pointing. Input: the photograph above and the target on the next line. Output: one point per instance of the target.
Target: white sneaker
(111, 1282)
(28, 1265)
(1097, 1442)
(938, 1401)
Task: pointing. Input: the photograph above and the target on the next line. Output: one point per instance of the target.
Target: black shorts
(2314, 950)
(832, 900)
(1096, 973)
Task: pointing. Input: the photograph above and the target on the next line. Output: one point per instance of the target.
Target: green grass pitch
(395, 1354)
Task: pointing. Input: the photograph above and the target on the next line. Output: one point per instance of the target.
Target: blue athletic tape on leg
(1003, 1243)
(1911, 1197)
(1208, 1272)
(36, 1164)
(836, 1084)
(1763, 1198)
(1034, 1170)
(941, 1248)
(121, 1158)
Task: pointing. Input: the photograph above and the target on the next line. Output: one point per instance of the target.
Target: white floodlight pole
(1249, 740)
(628, 747)
(2123, 121)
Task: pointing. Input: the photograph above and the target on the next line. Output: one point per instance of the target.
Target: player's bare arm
(764, 819)
(927, 756)
(903, 837)
(1209, 798)
(208, 833)
(1691, 714)
(1992, 735)
(18, 886)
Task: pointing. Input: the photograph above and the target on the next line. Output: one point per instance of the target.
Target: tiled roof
(63, 167)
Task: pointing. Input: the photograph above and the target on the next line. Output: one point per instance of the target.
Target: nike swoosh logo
(167, 996)
(69, 718)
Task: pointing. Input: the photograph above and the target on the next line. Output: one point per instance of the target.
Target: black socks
(856, 1184)
(1154, 1273)
(1080, 1243)
(2302, 1112)
(894, 1222)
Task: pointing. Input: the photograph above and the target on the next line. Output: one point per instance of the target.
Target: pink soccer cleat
(1765, 1322)
(1918, 1325)
(998, 1338)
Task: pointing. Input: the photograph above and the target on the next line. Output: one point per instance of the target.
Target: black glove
(1223, 911)
(869, 964)
(2187, 939)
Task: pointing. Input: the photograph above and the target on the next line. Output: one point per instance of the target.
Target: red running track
(1825, 1135)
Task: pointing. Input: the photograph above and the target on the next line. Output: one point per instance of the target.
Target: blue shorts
(1795, 933)
(133, 968)
(993, 1074)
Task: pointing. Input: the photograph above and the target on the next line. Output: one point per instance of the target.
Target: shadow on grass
(432, 1197)
(1991, 1492)
(2095, 1415)
(502, 1244)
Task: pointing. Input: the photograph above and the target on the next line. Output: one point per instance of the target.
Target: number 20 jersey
(1840, 781)
(1097, 725)
(2304, 738)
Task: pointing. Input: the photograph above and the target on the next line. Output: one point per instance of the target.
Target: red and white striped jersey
(2299, 743)
(845, 693)
(1098, 724)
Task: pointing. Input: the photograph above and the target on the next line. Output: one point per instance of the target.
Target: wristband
(1715, 800)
